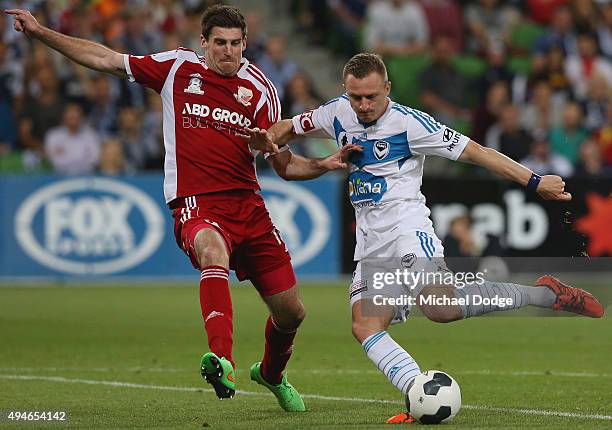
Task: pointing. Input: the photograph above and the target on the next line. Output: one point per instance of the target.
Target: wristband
(534, 181)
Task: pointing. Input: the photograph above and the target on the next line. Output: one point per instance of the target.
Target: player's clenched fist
(23, 21)
(552, 187)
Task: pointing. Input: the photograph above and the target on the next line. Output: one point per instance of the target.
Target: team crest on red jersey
(244, 96)
(195, 84)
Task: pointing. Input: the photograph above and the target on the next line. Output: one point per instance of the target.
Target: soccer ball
(433, 397)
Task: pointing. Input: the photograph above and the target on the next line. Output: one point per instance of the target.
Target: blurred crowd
(58, 116)
(530, 78)
(541, 96)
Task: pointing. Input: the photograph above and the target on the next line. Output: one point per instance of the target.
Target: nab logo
(301, 217)
(86, 226)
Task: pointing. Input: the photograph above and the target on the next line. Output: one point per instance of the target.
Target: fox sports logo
(301, 217)
(89, 226)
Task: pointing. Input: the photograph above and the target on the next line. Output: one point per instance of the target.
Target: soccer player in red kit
(210, 184)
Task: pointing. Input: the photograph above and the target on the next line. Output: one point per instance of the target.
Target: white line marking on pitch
(95, 369)
(306, 396)
(308, 371)
(535, 373)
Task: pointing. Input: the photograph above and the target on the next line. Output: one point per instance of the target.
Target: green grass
(154, 337)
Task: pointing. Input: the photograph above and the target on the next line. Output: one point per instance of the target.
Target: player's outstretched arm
(294, 167)
(87, 53)
(549, 187)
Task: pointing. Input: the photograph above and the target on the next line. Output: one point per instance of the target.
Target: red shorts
(256, 249)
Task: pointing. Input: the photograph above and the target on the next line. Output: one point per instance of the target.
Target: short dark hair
(224, 17)
(361, 65)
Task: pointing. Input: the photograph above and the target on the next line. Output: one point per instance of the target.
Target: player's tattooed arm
(550, 187)
(294, 167)
(85, 52)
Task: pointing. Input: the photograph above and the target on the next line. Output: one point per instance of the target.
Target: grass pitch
(117, 357)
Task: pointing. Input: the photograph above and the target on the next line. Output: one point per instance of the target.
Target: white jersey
(384, 184)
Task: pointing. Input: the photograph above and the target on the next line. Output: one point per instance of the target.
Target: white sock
(519, 294)
(392, 360)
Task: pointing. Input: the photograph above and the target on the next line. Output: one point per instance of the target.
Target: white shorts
(401, 276)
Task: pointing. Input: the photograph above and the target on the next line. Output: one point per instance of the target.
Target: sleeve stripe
(433, 123)
(271, 106)
(128, 69)
(271, 111)
(423, 123)
(272, 95)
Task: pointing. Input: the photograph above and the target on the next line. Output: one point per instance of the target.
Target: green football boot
(219, 373)
(288, 397)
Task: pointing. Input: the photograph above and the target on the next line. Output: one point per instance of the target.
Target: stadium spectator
(497, 70)
(256, 47)
(599, 96)
(396, 27)
(72, 148)
(300, 96)
(348, 17)
(275, 64)
(488, 112)
(489, 24)
(137, 38)
(166, 15)
(312, 19)
(544, 162)
(560, 34)
(103, 111)
(141, 151)
(551, 68)
(11, 91)
(566, 138)
(603, 137)
(43, 109)
(604, 31)
(585, 15)
(153, 120)
(591, 163)
(111, 158)
(588, 63)
(543, 11)
(542, 111)
(462, 241)
(444, 17)
(443, 87)
(513, 140)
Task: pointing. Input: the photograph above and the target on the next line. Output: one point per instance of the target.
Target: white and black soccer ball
(433, 397)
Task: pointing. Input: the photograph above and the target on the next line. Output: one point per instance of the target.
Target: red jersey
(203, 111)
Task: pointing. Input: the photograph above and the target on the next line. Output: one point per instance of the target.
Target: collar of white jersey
(381, 118)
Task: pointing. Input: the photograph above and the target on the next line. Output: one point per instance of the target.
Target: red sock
(279, 346)
(216, 304)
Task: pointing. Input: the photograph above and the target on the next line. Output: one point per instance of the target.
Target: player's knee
(358, 331)
(298, 315)
(211, 249)
(291, 317)
(442, 314)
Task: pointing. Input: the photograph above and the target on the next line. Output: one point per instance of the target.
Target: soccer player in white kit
(393, 222)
